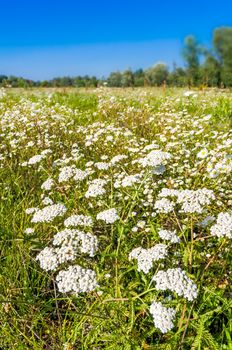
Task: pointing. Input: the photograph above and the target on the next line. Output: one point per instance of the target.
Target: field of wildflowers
(116, 221)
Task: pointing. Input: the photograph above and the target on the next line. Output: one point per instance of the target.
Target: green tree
(139, 77)
(222, 41)
(191, 53)
(177, 77)
(157, 75)
(127, 78)
(210, 71)
(115, 79)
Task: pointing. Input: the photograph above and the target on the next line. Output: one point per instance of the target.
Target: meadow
(115, 219)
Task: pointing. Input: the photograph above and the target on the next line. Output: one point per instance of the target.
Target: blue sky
(41, 39)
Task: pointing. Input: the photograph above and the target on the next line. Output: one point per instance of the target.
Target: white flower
(35, 159)
(169, 236)
(31, 210)
(80, 174)
(223, 226)
(48, 259)
(47, 201)
(146, 257)
(66, 173)
(177, 281)
(164, 205)
(117, 158)
(29, 230)
(48, 213)
(47, 185)
(77, 240)
(76, 280)
(155, 158)
(130, 180)
(203, 153)
(109, 216)
(102, 165)
(96, 188)
(162, 316)
(78, 220)
(193, 201)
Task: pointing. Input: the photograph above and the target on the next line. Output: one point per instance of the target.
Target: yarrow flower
(80, 175)
(162, 316)
(77, 240)
(48, 259)
(48, 213)
(164, 205)
(47, 185)
(78, 220)
(127, 181)
(66, 173)
(146, 257)
(192, 201)
(117, 158)
(169, 236)
(155, 158)
(223, 226)
(109, 216)
(177, 281)
(35, 159)
(96, 188)
(76, 280)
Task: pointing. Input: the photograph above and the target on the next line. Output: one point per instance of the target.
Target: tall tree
(127, 78)
(191, 53)
(157, 74)
(222, 41)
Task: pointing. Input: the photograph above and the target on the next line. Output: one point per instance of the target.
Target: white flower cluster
(47, 201)
(80, 175)
(162, 316)
(177, 281)
(169, 236)
(48, 213)
(96, 188)
(109, 216)
(31, 210)
(146, 257)
(127, 181)
(76, 280)
(130, 180)
(67, 245)
(155, 158)
(66, 173)
(117, 158)
(47, 185)
(102, 165)
(223, 166)
(78, 220)
(48, 259)
(35, 159)
(77, 240)
(223, 226)
(164, 205)
(192, 201)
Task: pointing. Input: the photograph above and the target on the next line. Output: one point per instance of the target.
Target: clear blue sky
(41, 39)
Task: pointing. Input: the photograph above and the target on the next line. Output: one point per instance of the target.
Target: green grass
(33, 313)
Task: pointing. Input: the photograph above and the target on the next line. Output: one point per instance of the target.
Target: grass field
(116, 221)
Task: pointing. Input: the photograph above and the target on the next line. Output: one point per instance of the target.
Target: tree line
(203, 67)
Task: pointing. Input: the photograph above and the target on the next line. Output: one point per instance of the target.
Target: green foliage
(33, 313)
